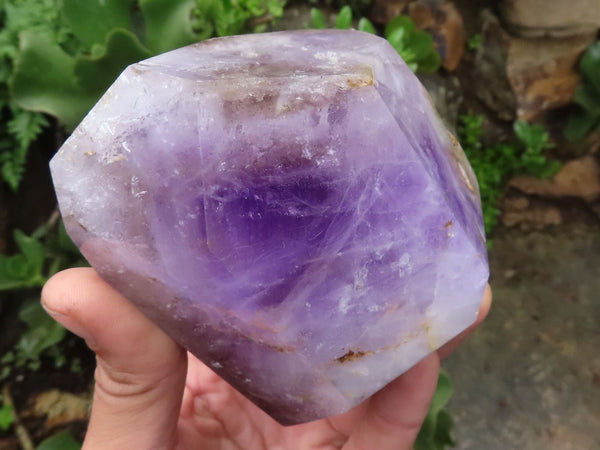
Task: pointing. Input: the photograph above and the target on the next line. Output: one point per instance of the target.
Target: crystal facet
(286, 206)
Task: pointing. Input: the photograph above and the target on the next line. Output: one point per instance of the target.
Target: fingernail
(51, 312)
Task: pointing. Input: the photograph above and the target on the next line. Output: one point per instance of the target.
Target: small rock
(510, 274)
(518, 203)
(491, 84)
(531, 18)
(578, 178)
(444, 22)
(544, 73)
(446, 94)
(523, 78)
(518, 211)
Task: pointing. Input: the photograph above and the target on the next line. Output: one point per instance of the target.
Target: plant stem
(256, 21)
(20, 430)
(44, 228)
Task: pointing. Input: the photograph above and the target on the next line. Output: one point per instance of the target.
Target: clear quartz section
(286, 206)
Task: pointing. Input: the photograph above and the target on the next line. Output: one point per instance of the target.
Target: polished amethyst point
(286, 206)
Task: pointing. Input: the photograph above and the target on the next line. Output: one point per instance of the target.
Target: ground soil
(530, 376)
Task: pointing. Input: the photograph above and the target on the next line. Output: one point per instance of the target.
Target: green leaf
(590, 66)
(44, 80)
(12, 172)
(92, 20)
(523, 130)
(430, 63)
(421, 44)
(31, 249)
(23, 129)
(580, 124)
(14, 272)
(42, 332)
(425, 438)
(398, 39)
(442, 394)
(318, 19)
(168, 23)
(23, 270)
(412, 66)
(443, 432)
(97, 73)
(548, 169)
(33, 315)
(435, 433)
(343, 20)
(60, 441)
(26, 126)
(475, 42)
(414, 46)
(365, 25)
(400, 23)
(6, 417)
(588, 99)
(534, 137)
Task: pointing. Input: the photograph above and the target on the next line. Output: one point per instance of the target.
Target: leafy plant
(413, 45)
(16, 136)
(343, 20)
(23, 270)
(586, 118)
(318, 19)
(535, 140)
(57, 57)
(40, 338)
(40, 256)
(436, 431)
(19, 128)
(6, 416)
(493, 165)
(223, 18)
(365, 25)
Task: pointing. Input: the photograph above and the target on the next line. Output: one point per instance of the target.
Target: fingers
(140, 372)
(394, 415)
(486, 303)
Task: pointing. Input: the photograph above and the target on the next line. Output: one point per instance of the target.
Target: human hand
(151, 394)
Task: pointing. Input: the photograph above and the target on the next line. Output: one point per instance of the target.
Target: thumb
(140, 373)
(394, 415)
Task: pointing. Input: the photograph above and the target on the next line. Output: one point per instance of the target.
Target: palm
(144, 381)
(216, 416)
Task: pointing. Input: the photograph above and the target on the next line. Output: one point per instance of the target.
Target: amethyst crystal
(286, 206)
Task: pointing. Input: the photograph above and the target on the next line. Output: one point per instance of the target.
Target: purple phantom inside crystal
(287, 206)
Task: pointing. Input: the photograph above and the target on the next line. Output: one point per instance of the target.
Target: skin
(150, 394)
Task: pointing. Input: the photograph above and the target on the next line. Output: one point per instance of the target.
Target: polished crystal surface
(287, 206)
